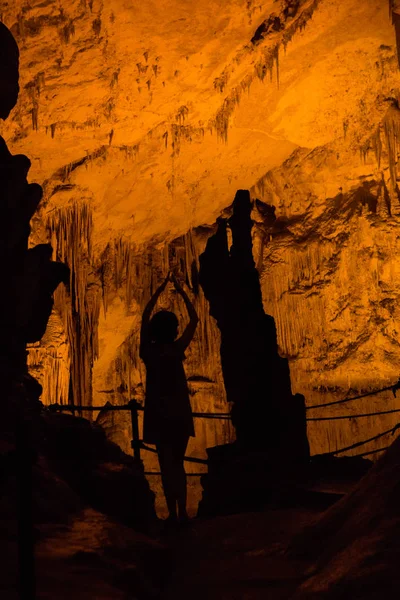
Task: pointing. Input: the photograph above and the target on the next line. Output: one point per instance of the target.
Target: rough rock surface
(354, 545)
(142, 121)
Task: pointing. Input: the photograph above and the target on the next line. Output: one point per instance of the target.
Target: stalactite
(383, 204)
(377, 145)
(51, 371)
(64, 172)
(187, 133)
(130, 151)
(70, 230)
(345, 127)
(181, 115)
(165, 138)
(137, 272)
(35, 113)
(245, 84)
(364, 150)
(114, 79)
(124, 269)
(105, 275)
(265, 65)
(221, 121)
(67, 32)
(141, 68)
(221, 82)
(96, 26)
(391, 128)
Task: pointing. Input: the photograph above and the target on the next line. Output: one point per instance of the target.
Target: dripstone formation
(268, 418)
(257, 379)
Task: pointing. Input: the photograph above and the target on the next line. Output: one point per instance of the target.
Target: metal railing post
(135, 443)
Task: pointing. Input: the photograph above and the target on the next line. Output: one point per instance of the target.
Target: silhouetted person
(168, 421)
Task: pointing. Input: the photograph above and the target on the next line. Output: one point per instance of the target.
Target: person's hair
(163, 327)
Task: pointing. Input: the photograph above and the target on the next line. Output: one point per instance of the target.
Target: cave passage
(82, 257)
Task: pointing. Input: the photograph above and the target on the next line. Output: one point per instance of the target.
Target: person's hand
(176, 283)
(164, 284)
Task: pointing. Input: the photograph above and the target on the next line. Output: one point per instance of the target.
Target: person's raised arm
(144, 330)
(188, 334)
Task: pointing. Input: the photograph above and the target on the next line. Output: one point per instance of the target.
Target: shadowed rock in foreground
(354, 547)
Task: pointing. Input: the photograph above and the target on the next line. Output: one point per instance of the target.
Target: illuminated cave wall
(143, 119)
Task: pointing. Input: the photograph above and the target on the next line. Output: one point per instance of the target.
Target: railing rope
(137, 445)
(371, 439)
(72, 408)
(394, 389)
(356, 416)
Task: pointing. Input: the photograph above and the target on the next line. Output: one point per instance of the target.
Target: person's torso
(166, 386)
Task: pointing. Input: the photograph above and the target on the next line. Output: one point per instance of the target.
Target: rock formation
(257, 380)
(354, 546)
(28, 275)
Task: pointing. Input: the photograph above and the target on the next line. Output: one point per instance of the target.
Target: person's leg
(168, 476)
(180, 446)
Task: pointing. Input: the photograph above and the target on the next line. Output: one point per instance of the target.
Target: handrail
(362, 454)
(137, 445)
(204, 415)
(357, 416)
(71, 407)
(394, 389)
(223, 416)
(371, 439)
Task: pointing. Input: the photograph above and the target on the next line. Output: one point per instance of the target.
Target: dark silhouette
(9, 62)
(168, 421)
(394, 6)
(28, 276)
(257, 379)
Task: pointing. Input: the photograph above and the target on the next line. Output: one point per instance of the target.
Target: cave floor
(95, 558)
(236, 557)
(231, 557)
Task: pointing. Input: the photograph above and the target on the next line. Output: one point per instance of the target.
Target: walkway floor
(238, 557)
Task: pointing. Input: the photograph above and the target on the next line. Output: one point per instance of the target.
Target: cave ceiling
(156, 112)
